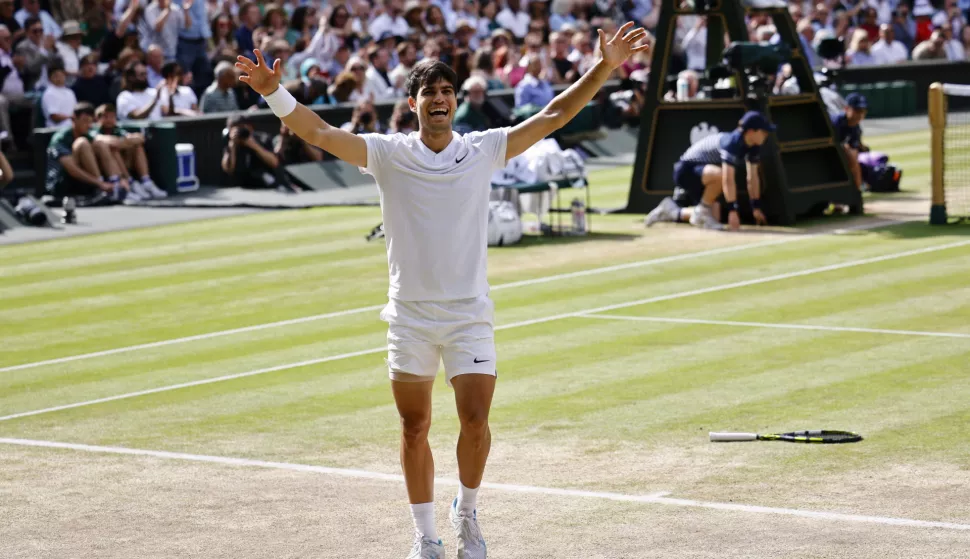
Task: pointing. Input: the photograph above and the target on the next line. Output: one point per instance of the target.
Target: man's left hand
(759, 217)
(615, 51)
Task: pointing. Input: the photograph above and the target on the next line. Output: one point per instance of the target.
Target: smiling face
(435, 106)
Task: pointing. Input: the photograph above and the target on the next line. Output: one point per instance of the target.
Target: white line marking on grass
(374, 308)
(575, 314)
(777, 325)
(654, 498)
(197, 383)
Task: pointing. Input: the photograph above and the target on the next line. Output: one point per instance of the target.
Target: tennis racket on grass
(817, 437)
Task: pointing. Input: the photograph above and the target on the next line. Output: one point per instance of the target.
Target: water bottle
(683, 89)
(579, 216)
(68, 215)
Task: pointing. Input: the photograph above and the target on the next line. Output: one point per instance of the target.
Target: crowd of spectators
(160, 58)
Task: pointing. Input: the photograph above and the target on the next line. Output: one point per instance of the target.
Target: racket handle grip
(731, 437)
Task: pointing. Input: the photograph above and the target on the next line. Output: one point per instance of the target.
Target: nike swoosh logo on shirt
(480, 361)
(457, 161)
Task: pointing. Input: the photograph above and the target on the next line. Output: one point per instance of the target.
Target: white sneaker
(425, 548)
(153, 189)
(701, 217)
(139, 190)
(471, 544)
(666, 210)
(132, 197)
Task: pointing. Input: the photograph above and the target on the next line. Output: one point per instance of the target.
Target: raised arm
(567, 104)
(301, 120)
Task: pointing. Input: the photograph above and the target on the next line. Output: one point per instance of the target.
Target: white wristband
(281, 102)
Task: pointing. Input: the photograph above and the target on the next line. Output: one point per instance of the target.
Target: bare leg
(139, 161)
(473, 396)
(413, 401)
(108, 162)
(83, 154)
(119, 158)
(713, 184)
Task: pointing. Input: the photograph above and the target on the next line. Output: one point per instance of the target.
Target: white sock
(466, 499)
(423, 515)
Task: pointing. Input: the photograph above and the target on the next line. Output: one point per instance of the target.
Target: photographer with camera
(364, 119)
(248, 159)
(708, 168)
(403, 119)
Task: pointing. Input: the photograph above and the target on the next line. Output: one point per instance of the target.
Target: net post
(937, 114)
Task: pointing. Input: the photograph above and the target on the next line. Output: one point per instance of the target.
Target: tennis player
(708, 168)
(434, 189)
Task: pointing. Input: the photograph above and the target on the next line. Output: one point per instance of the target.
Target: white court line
(654, 498)
(777, 325)
(374, 308)
(596, 310)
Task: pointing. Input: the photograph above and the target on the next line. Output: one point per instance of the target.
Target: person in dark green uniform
(128, 151)
(78, 166)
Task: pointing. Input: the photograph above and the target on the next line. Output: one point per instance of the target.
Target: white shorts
(422, 334)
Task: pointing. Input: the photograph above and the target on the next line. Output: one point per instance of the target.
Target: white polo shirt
(130, 101)
(58, 100)
(435, 209)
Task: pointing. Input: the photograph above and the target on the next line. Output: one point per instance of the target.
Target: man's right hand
(258, 75)
(734, 222)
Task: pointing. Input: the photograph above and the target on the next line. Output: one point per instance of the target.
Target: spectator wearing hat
(220, 96)
(89, 86)
(70, 49)
(31, 9)
(465, 35)
(162, 23)
(708, 168)
(138, 101)
(849, 133)
(392, 20)
(887, 49)
(191, 47)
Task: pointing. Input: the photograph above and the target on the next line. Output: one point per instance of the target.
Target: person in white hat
(70, 49)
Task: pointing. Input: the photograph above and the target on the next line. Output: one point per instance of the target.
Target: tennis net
(950, 150)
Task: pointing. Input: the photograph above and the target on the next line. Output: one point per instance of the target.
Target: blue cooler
(186, 180)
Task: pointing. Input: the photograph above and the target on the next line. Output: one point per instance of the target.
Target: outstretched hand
(263, 79)
(615, 51)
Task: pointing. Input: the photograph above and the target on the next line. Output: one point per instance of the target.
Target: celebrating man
(434, 188)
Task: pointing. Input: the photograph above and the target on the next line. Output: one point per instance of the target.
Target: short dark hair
(429, 71)
(106, 108)
(170, 68)
(32, 21)
(84, 108)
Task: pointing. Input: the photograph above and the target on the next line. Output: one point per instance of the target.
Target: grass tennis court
(272, 432)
